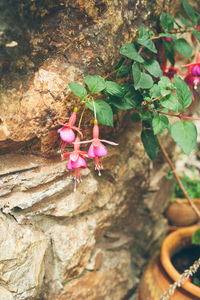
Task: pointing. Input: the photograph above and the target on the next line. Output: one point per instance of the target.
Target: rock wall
(57, 244)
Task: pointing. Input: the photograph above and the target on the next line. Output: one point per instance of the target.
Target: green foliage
(141, 79)
(196, 238)
(183, 91)
(78, 89)
(185, 135)
(130, 51)
(153, 67)
(192, 14)
(150, 143)
(151, 96)
(114, 89)
(196, 34)
(95, 83)
(167, 22)
(192, 186)
(169, 51)
(144, 40)
(103, 111)
(184, 21)
(123, 71)
(183, 47)
(135, 117)
(159, 123)
(170, 102)
(165, 86)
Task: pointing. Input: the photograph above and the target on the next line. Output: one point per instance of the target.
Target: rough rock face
(56, 244)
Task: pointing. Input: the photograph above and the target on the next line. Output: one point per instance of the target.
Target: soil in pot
(185, 258)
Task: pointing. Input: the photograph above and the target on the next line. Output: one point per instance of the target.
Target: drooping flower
(67, 131)
(76, 161)
(169, 71)
(193, 76)
(97, 149)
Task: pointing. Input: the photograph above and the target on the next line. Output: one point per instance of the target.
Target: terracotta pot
(180, 212)
(160, 272)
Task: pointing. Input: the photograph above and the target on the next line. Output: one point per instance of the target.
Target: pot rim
(169, 246)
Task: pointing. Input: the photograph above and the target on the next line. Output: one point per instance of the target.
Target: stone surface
(89, 234)
(22, 251)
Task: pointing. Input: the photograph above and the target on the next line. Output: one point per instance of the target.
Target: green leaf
(169, 51)
(153, 67)
(183, 91)
(196, 34)
(185, 135)
(135, 117)
(184, 21)
(103, 111)
(170, 102)
(192, 14)
(132, 97)
(196, 237)
(154, 91)
(145, 115)
(143, 33)
(130, 51)
(78, 89)
(167, 22)
(183, 47)
(144, 40)
(141, 79)
(123, 71)
(150, 143)
(165, 86)
(114, 89)
(159, 123)
(95, 83)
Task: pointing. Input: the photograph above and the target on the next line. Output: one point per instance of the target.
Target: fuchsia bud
(168, 39)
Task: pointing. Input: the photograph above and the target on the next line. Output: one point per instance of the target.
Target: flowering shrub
(154, 92)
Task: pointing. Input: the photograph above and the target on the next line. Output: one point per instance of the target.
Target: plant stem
(178, 178)
(81, 117)
(113, 72)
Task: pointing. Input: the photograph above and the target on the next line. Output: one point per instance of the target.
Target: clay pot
(180, 212)
(160, 272)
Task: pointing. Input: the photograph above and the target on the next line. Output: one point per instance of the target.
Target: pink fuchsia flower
(193, 76)
(66, 132)
(97, 149)
(76, 160)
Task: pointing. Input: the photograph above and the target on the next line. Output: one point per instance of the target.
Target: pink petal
(100, 150)
(79, 163)
(69, 165)
(67, 135)
(91, 151)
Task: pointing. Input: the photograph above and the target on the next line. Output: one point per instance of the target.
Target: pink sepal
(109, 142)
